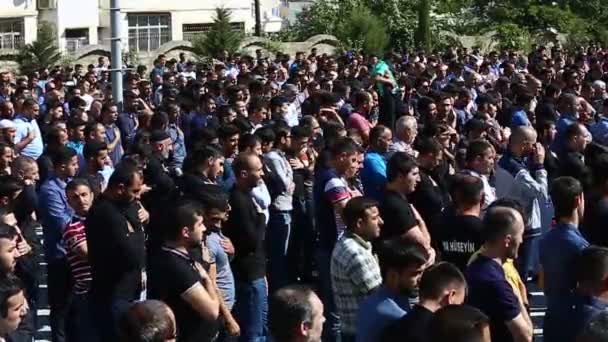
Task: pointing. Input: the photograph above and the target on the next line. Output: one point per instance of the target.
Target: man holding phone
(521, 175)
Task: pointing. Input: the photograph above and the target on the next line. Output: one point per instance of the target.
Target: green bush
(363, 31)
(220, 38)
(42, 53)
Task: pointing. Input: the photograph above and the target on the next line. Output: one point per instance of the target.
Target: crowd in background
(405, 197)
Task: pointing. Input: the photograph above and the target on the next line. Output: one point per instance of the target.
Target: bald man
(520, 175)
(489, 291)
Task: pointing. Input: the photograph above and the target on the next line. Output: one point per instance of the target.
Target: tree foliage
(363, 31)
(221, 37)
(42, 53)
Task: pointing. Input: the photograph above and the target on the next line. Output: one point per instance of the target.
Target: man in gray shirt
(281, 186)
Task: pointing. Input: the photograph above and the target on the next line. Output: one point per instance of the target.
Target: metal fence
(73, 44)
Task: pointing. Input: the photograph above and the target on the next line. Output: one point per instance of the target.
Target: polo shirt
(558, 250)
(373, 175)
(171, 274)
(490, 292)
(354, 274)
(377, 311)
(397, 215)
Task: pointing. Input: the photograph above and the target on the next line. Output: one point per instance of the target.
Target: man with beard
(401, 263)
(245, 227)
(156, 173)
(373, 175)
(179, 280)
(115, 239)
(502, 232)
(109, 114)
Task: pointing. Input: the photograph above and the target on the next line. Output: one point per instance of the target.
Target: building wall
(25, 9)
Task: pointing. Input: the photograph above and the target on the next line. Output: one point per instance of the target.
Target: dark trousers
(331, 328)
(59, 286)
(251, 310)
(277, 236)
(106, 315)
(79, 324)
(301, 243)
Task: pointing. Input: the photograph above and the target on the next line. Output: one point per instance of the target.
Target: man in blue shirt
(109, 115)
(567, 105)
(402, 264)
(373, 175)
(28, 138)
(55, 215)
(559, 249)
(591, 297)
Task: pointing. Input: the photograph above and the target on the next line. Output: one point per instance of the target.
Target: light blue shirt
(23, 126)
(373, 175)
(225, 277)
(55, 214)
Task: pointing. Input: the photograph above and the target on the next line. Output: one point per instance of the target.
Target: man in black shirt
(429, 197)
(400, 217)
(441, 285)
(572, 160)
(458, 235)
(245, 227)
(180, 281)
(115, 239)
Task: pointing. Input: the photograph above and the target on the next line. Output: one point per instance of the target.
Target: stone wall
(90, 54)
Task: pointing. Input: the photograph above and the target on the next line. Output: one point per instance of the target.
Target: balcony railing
(11, 40)
(73, 44)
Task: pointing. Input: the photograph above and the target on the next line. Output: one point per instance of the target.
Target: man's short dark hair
(75, 122)
(92, 148)
(477, 148)
(355, 210)
(592, 268)
(183, 214)
(466, 190)
(498, 222)
(147, 321)
(10, 285)
(400, 163)
(564, 191)
(7, 231)
(199, 157)
(227, 131)
(429, 146)
(345, 145)
(596, 330)
(289, 307)
(375, 134)
(123, 174)
(439, 278)
(398, 254)
(9, 185)
(62, 156)
(76, 182)
(458, 323)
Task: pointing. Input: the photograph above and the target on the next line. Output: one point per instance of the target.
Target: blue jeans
(251, 310)
(527, 261)
(331, 328)
(79, 321)
(277, 237)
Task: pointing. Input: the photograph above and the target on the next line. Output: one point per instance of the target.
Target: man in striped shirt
(80, 198)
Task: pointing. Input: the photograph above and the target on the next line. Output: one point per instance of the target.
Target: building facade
(145, 24)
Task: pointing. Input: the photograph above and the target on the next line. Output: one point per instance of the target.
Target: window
(192, 30)
(76, 38)
(47, 4)
(148, 31)
(11, 33)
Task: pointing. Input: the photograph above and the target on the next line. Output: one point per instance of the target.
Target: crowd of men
(406, 197)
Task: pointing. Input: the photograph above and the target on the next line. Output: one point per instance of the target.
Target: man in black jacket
(115, 238)
(572, 160)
